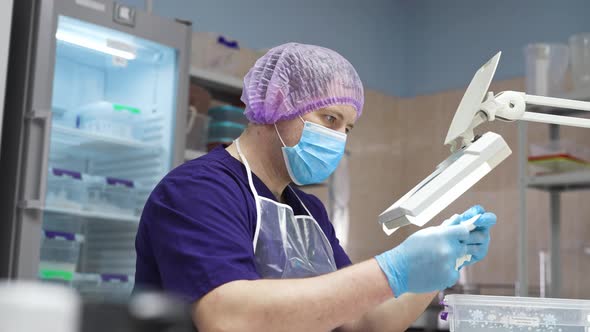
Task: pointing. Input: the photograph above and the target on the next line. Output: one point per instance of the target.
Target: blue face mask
(316, 156)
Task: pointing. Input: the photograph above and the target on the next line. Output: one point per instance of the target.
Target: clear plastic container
(196, 135)
(558, 156)
(224, 132)
(467, 313)
(65, 189)
(62, 117)
(574, 263)
(228, 113)
(59, 255)
(63, 223)
(110, 119)
(112, 195)
(580, 57)
(100, 287)
(546, 66)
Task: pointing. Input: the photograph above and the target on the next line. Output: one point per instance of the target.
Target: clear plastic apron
(287, 246)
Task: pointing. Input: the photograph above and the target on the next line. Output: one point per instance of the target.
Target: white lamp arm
(511, 106)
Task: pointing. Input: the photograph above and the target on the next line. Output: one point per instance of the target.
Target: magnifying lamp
(473, 156)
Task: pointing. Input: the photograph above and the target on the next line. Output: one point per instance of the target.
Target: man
(252, 253)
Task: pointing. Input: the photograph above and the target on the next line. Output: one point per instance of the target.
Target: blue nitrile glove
(479, 238)
(425, 261)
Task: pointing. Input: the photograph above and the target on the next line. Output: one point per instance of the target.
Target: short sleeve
(200, 232)
(319, 212)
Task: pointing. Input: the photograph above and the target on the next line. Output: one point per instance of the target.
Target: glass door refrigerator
(95, 117)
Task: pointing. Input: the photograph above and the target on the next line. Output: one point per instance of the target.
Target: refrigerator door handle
(39, 115)
(44, 116)
(30, 204)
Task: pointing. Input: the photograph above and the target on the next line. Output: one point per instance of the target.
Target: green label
(56, 274)
(119, 107)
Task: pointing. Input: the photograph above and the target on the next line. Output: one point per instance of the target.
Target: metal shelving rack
(222, 87)
(554, 185)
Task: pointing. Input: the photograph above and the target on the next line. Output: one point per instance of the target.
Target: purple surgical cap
(294, 79)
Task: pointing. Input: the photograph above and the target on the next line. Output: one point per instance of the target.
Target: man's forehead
(347, 111)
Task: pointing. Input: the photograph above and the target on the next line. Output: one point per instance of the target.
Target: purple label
(63, 235)
(228, 43)
(115, 181)
(114, 277)
(444, 315)
(61, 171)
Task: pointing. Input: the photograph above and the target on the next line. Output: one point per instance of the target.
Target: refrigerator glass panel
(114, 106)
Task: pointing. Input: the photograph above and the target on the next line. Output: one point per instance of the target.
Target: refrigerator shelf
(93, 214)
(97, 142)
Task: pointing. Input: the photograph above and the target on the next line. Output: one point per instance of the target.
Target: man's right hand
(425, 261)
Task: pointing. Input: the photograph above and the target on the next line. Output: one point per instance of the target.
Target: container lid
(513, 301)
(54, 235)
(49, 274)
(106, 106)
(129, 109)
(226, 108)
(115, 181)
(112, 277)
(62, 172)
(63, 236)
(227, 124)
(557, 157)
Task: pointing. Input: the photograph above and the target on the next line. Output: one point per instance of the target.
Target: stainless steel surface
(17, 101)
(523, 275)
(555, 243)
(35, 145)
(24, 155)
(5, 21)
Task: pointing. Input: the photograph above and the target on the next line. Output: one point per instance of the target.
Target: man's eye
(330, 119)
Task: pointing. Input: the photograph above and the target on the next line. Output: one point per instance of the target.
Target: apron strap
(300, 201)
(317, 225)
(254, 192)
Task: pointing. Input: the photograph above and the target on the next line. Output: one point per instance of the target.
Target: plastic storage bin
(546, 65)
(59, 255)
(466, 313)
(110, 119)
(558, 157)
(224, 132)
(65, 189)
(59, 222)
(228, 113)
(112, 195)
(580, 57)
(100, 287)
